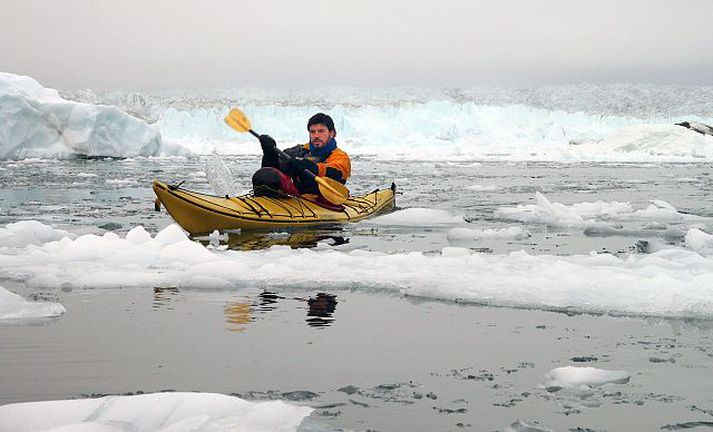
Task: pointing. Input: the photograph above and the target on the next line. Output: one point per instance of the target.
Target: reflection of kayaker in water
(321, 156)
(321, 309)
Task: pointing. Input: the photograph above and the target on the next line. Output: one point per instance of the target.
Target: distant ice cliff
(565, 123)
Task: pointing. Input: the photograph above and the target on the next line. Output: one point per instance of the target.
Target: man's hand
(268, 144)
(297, 166)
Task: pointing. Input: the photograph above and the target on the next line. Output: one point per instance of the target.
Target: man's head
(321, 129)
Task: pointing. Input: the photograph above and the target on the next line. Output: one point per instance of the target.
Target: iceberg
(153, 412)
(588, 214)
(579, 387)
(583, 377)
(37, 122)
(14, 308)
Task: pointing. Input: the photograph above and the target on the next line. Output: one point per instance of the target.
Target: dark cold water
(367, 360)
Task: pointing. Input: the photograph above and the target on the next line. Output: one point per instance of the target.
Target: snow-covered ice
(174, 412)
(37, 122)
(655, 140)
(585, 213)
(671, 282)
(579, 387)
(583, 377)
(15, 309)
(699, 241)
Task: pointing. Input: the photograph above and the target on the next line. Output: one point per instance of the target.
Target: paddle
(333, 191)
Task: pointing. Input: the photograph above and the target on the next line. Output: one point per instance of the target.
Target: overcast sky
(170, 44)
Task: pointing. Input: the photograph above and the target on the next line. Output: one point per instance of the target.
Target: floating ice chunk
(37, 122)
(699, 241)
(216, 237)
(468, 234)
(138, 235)
(656, 140)
(585, 214)
(688, 180)
(175, 412)
(660, 210)
(219, 176)
(483, 188)
(14, 308)
(521, 426)
(583, 378)
(542, 212)
(25, 233)
(578, 387)
(417, 217)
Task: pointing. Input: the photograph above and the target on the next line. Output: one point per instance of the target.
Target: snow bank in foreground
(37, 122)
(14, 308)
(670, 282)
(582, 377)
(175, 412)
(25, 233)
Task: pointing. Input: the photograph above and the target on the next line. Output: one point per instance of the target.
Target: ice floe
(586, 214)
(655, 140)
(577, 388)
(583, 377)
(174, 412)
(15, 309)
(672, 282)
(700, 241)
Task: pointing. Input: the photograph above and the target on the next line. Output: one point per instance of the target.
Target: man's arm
(337, 166)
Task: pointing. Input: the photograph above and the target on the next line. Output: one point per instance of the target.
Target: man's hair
(321, 118)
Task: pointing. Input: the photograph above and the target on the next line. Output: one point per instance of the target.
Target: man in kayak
(321, 156)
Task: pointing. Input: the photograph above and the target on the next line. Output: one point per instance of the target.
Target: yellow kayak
(200, 213)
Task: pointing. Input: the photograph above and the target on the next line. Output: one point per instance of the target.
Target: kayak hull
(200, 213)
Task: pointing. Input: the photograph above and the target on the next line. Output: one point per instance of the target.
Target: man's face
(319, 135)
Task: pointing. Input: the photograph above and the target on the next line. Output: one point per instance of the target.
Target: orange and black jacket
(336, 165)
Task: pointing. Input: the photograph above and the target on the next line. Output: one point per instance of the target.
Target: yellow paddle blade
(237, 120)
(333, 191)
